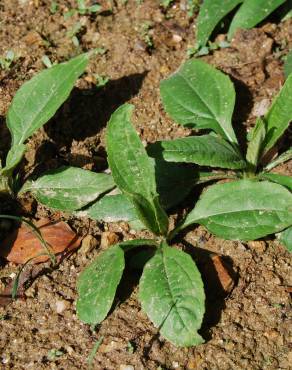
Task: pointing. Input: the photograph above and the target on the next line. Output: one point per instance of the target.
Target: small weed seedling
(83, 9)
(249, 14)
(166, 3)
(66, 188)
(7, 60)
(171, 290)
(54, 7)
(101, 81)
(258, 202)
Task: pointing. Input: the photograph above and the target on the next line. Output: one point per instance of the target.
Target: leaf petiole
(284, 157)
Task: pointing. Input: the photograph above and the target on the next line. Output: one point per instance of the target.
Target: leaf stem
(211, 176)
(284, 157)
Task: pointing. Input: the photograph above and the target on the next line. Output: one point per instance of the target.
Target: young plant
(171, 290)
(66, 188)
(258, 202)
(7, 60)
(83, 9)
(249, 14)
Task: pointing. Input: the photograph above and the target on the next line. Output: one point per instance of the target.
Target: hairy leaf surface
(251, 13)
(113, 208)
(206, 150)
(211, 13)
(172, 294)
(200, 96)
(243, 210)
(69, 188)
(97, 285)
(133, 171)
(39, 98)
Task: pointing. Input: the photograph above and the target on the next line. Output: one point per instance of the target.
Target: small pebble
(127, 367)
(261, 107)
(176, 38)
(106, 348)
(87, 245)
(61, 306)
(108, 238)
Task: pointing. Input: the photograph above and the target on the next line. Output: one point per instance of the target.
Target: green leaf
(255, 144)
(279, 115)
(251, 13)
(286, 238)
(112, 208)
(97, 285)
(284, 157)
(14, 156)
(174, 182)
(211, 13)
(186, 97)
(206, 150)
(69, 188)
(172, 295)
(39, 98)
(288, 63)
(279, 179)
(133, 171)
(243, 210)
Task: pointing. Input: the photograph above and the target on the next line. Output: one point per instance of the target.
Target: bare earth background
(247, 329)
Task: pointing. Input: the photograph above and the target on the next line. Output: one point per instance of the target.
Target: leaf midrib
(174, 305)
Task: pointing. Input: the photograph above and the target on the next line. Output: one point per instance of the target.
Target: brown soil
(248, 329)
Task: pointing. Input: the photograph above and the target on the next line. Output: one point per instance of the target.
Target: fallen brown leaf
(22, 244)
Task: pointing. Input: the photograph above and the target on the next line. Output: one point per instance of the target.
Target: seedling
(73, 33)
(54, 354)
(7, 60)
(146, 34)
(83, 9)
(258, 202)
(171, 289)
(166, 3)
(101, 81)
(249, 14)
(66, 188)
(54, 7)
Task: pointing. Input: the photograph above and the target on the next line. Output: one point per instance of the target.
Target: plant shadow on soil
(215, 294)
(242, 109)
(84, 114)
